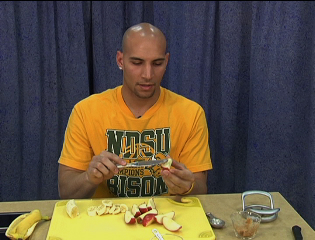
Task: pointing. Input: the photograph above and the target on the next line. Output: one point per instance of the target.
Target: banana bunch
(23, 226)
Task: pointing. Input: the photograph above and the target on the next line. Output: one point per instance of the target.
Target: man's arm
(74, 183)
(180, 180)
(200, 186)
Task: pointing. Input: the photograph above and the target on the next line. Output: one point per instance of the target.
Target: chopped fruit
(159, 218)
(143, 208)
(129, 218)
(107, 209)
(170, 224)
(92, 211)
(151, 204)
(152, 211)
(115, 209)
(167, 165)
(123, 208)
(148, 219)
(135, 210)
(101, 209)
(108, 203)
(72, 209)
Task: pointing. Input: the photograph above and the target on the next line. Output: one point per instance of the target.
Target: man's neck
(138, 106)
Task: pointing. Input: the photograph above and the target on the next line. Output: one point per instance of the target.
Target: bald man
(137, 121)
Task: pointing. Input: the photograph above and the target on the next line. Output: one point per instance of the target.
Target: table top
(221, 205)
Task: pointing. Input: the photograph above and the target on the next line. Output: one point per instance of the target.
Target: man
(139, 120)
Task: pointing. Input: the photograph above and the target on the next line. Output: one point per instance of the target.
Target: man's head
(143, 60)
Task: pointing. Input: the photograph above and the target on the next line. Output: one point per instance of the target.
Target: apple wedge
(129, 218)
(159, 217)
(135, 210)
(141, 217)
(170, 224)
(143, 208)
(167, 165)
(151, 204)
(148, 219)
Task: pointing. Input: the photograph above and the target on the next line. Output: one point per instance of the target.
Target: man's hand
(178, 179)
(103, 167)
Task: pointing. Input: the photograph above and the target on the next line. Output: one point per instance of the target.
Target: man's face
(144, 62)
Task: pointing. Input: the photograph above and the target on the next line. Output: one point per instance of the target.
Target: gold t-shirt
(174, 126)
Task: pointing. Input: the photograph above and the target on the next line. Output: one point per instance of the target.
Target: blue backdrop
(249, 64)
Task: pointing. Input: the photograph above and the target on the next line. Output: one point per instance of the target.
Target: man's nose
(147, 72)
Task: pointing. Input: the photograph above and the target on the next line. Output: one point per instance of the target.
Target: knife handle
(297, 232)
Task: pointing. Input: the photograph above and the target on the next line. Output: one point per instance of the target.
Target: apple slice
(170, 224)
(143, 208)
(148, 219)
(167, 165)
(129, 218)
(135, 210)
(159, 217)
(151, 204)
(152, 211)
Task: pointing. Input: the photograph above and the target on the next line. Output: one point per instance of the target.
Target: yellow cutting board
(191, 216)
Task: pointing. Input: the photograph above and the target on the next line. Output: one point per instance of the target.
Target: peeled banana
(23, 226)
(92, 211)
(72, 209)
(101, 209)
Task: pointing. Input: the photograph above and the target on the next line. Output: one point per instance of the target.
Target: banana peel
(23, 226)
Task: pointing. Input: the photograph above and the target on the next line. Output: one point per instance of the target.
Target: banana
(108, 203)
(92, 211)
(23, 226)
(72, 209)
(123, 208)
(115, 209)
(101, 209)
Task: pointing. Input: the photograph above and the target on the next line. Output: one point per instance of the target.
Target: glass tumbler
(245, 224)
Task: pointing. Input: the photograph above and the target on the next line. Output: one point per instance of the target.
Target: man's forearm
(200, 185)
(74, 184)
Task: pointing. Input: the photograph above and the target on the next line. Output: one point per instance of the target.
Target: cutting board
(191, 216)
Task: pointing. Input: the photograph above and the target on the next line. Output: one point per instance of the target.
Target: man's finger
(178, 165)
(113, 158)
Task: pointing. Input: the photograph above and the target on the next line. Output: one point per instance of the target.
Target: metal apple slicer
(267, 213)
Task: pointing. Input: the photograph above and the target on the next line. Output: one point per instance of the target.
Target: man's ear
(167, 57)
(119, 59)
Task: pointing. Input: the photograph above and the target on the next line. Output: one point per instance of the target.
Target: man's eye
(136, 63)
(158, 63)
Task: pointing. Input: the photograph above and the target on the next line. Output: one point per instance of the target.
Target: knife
(143, 163)
(297, 232)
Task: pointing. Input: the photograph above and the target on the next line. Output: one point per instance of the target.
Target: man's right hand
(103, 167)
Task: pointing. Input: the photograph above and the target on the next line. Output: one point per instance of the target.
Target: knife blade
(143, 163)
(297, 232)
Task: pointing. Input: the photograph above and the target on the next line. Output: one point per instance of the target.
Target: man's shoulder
(177, 99)
(106, 96)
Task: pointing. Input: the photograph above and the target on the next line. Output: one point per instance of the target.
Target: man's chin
(144, 95)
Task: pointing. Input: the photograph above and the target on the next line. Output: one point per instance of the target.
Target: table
(221, 205)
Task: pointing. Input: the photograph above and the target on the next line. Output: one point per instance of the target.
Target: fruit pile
(147, 214)
(144, 213)
(106, 207)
